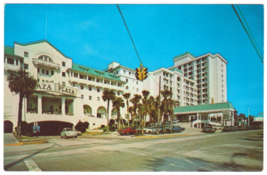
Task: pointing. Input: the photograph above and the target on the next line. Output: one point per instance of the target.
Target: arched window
(45, 58)
(178, 79)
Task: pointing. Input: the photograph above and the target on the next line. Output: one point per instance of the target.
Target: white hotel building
(68, 92)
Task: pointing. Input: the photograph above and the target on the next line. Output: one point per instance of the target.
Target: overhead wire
(129, 33)
(247, 33)
(249, 30)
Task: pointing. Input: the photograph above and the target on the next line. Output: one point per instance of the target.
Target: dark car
(226, 129)
(229, 128)
(209, 129)
(233, 128)
(175, 129)
(241, 128)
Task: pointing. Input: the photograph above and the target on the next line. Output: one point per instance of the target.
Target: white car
(68, 132)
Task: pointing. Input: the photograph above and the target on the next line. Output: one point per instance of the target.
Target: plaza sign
(54, 87)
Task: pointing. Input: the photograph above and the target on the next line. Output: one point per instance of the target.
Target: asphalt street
(234, 151)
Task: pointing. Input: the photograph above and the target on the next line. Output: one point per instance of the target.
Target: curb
(25, 143)
(164, 136)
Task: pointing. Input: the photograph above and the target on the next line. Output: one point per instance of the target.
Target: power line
(247, 32)
(129, 33)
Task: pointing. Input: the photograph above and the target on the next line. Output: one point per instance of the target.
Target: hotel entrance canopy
(208, 108)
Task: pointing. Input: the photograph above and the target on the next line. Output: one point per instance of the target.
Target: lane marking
(188, 161)
(31, 165)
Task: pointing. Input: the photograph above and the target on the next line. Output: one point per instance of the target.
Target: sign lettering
(56, 88)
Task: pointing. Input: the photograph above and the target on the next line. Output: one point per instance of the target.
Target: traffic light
(141, 73)
(144, 72)
(138, 73)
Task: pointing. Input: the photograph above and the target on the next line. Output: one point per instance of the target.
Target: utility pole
(248, 117)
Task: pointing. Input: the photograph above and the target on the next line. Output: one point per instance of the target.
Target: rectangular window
(63, 74)
(26, 66)
(126, 80)
(38, 70)
(118, 93)
(90, 97)
(90, 88)
(63, 64)
(26, 54)
(82, 87)
(137, 89)
(98, 90)
(129, 73)
(47, 72)
(52, 72)
(63, 83)
(126, 87)
(17, 62)
(98, 98)
(82, 96)
(10, 61)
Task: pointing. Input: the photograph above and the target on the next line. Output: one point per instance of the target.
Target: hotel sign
(54, 87)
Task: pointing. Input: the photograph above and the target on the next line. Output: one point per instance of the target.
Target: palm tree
(117, 104)
(142, 113)
(152, 108)
(107, 96)
(127, 96)
(145, 103)
(23, 84)
(170, 109)
(134, 101)
(131, 111)
(166, 93)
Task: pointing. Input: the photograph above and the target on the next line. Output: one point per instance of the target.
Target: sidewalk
(9, 138)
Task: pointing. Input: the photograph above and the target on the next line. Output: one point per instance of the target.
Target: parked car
(226, 129)
(151, 130)
(217, 127)
(229, 128)
(209, 129)
(233, 128)
(128, 131)
(177, 129)
(249, 127)
(68, 132)
(241, 128)
(79, 133)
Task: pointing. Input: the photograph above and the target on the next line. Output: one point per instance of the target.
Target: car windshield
(68, 129)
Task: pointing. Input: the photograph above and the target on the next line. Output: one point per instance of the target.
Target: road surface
(234, 151)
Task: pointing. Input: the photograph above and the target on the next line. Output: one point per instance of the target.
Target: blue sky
(95, 35)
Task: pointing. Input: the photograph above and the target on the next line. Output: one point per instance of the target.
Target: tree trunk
(108, 117)
(127, 103)
(118, 118)
(19, 115)
(171, 123)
